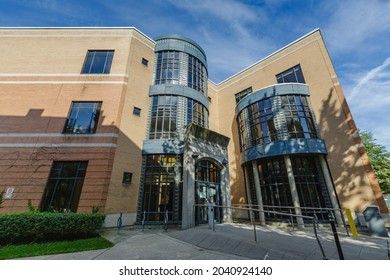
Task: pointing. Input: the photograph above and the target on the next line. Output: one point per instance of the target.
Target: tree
(379, 158)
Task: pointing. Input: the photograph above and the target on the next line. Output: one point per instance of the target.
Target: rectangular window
(242, 94)
(127, 177)
(63, 188)
(145, 61)
(292, 75)
(83, 117)
(136, 111)
(98, 62)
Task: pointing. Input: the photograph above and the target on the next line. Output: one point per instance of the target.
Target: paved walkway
(230, 242)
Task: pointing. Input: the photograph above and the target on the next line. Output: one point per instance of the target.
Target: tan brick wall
(40, 79)
(27, 170)
(334, 119)
(122, 198)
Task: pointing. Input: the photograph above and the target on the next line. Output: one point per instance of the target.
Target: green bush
(37, 227)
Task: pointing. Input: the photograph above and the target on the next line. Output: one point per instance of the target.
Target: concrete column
(329, 185)
(225, 194)
(258, 192)
(188, 211)
(293, 189)
(248, 191)
(178, 169)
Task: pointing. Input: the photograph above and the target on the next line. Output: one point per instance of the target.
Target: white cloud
(355, 22)
(357, 36)
(371, 75)
(234, 14)
(370, 102)
(228, 30)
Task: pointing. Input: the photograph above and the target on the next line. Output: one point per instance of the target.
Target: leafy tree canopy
(379, 159)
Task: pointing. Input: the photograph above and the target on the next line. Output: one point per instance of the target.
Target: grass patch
(61, 247)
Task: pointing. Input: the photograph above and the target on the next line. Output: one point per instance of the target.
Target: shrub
(36, 226)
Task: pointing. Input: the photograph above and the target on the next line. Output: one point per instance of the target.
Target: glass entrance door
(207, 191)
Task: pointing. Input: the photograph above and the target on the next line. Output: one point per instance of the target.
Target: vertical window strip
(163, 117)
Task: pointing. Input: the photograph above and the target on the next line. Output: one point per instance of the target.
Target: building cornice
(267, 57)
(80, 28)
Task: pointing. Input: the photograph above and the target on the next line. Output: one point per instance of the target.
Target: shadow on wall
(344, 159)
(237, 179)
(29, 144)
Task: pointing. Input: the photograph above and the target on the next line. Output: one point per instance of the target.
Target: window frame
(90, 64)
(58, 176)
(71, 129)
(127, 178)
(136, 111)
(295, 69)
(145, 62)
(242, 94)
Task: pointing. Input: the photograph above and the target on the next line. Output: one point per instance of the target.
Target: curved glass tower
(178, 118)
(282, 153)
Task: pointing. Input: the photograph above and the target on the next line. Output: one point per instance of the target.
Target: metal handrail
(166, 220)
(314, 220)
(322, 209)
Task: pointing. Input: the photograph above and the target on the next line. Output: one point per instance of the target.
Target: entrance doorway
(207, 190)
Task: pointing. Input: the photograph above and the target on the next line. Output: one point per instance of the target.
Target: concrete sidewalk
(230, 241)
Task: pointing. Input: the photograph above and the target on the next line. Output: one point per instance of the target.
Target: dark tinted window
(63, 188)
(292, 75)
(83, 117)
(242, 94)
(98, 62)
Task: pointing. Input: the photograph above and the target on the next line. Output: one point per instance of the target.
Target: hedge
(43, 226)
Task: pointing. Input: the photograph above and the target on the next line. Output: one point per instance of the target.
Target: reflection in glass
(98, 62)
(83, 117)
(163, 117)
(159, 187)
(63, 189)
(256, 123)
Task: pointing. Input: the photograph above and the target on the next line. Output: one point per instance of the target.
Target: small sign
(8, 193)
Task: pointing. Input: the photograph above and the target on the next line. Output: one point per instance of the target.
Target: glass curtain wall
(163, 117)
(256, 122)
(167, 68)
(178, 98)
(276, 192)
(159, 187)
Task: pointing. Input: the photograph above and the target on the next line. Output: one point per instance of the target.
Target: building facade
(109, 120)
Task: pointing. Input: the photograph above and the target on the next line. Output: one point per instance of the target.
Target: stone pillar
(248, 191)
(225, 194)
(293, 189)
(258, 192)
(188, 210)
(329, 185)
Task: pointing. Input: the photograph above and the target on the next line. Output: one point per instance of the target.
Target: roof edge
(81, 27)
(181, 38)
(268, 56)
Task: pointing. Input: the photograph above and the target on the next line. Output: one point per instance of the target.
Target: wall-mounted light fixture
(224, 162)
(195, 155)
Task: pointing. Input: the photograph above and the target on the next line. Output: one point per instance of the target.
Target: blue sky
(237, 33)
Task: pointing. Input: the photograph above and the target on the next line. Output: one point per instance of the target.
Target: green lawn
(39, 249)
